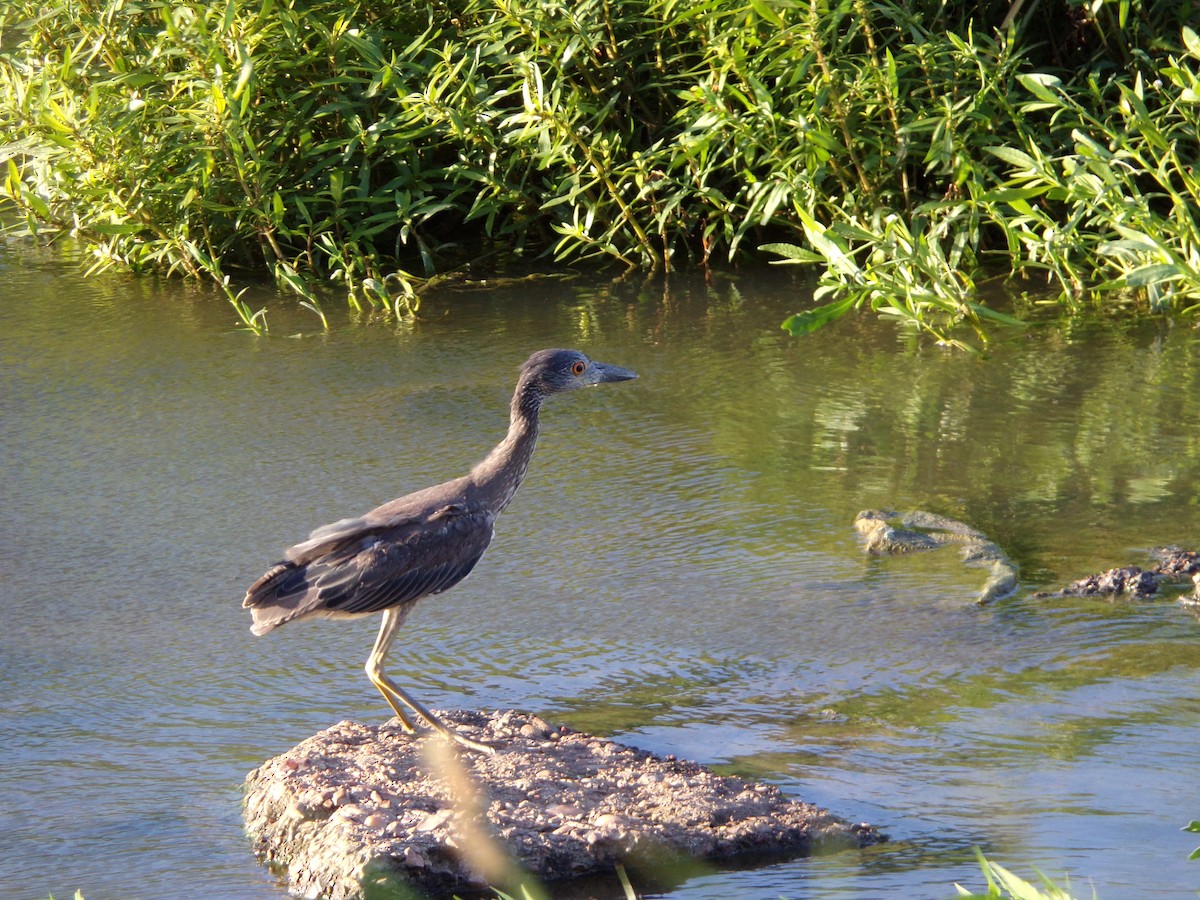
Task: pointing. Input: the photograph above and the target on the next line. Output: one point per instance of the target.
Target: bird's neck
(502, 471)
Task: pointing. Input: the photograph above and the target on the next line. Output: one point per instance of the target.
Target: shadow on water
(679, 572)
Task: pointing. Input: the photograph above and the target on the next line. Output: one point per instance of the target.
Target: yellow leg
(392, 620)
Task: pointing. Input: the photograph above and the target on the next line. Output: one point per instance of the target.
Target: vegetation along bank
(903, 149)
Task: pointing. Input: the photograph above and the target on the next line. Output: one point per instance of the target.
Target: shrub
(901, 146)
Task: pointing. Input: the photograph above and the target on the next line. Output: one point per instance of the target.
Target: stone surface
(1174, 565)
(357, 808)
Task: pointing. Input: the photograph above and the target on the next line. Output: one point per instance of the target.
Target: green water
(680, 570)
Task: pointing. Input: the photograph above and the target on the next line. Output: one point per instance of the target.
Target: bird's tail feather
(261, 628)
(264, 596)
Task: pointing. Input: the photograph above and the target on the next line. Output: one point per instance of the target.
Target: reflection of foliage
(929, 704)
(1078, 426)
(1058, 432)
(622, 701)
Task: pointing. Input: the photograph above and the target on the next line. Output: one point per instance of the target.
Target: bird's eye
(578, 367)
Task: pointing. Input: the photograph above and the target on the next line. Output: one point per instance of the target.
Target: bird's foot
(476, 746)
(436, 726)
(405, 725)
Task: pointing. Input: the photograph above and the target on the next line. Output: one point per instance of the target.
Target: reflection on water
(680, 570)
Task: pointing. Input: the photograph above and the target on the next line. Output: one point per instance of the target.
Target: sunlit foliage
(902, 148)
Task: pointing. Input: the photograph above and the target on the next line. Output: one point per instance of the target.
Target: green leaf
(813, 319)
(313, 306)
(1086, 145)
(1194, 827)
(985, 312)
(1008, 195)
(39, 206)
(836, 256)
(1133, 243)
(1014, 157)
(1191, 41)
(1039, 84)
(765, 12)
(1152, 274)
(116, 228)
(13, 183)
(792, 253)
(244, 76)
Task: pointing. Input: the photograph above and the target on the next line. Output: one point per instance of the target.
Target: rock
(1175, 563)
(1130, 580)
(1173, 566)
(355, 807)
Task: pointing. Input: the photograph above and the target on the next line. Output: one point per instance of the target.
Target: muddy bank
(356, 808)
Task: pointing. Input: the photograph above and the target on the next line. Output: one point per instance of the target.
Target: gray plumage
(420, 544)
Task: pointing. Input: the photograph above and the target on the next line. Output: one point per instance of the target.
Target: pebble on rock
(366, 807)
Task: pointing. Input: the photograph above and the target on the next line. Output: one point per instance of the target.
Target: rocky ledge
(356, 809)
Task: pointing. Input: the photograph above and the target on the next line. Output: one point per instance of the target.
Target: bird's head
(555, 371)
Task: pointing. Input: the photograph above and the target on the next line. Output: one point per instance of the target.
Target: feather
(359, 566)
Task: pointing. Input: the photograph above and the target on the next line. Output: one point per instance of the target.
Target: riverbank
(902, 150)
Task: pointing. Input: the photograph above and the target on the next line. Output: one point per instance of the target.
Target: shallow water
(680, 571)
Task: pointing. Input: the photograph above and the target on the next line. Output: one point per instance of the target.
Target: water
(679, 572)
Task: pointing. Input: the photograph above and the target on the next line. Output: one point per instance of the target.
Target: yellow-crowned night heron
(424, 543)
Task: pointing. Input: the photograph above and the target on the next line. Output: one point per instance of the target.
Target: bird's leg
(392, 620)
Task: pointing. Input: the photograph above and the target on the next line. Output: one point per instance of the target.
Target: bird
(420, 544)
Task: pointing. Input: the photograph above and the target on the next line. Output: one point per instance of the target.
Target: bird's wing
(341, 536)
(342, 533)
(372, 568)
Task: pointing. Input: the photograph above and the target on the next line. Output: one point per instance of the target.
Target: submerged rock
(357, 808)
(1173, 566)
(1131, 580)
(1175, 562)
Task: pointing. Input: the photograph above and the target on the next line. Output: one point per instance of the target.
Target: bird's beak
(603, 372)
